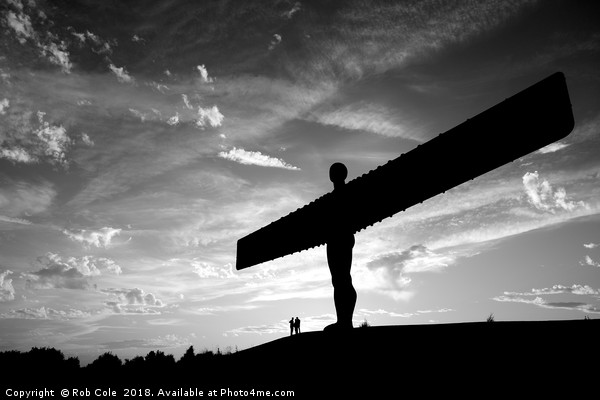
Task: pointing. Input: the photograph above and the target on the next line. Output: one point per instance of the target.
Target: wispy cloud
(12, 220)
(32, 139)
(544, 197)
(376, 39)
(389, 273)
(553, 147)
(173, 120)
(417, 258)
(591, 245)
(204, 74)
(21, 24)
(21, 198)
(209, 116)
(121, 74)
(275, 41)
(4, 104)
(45, 313)
(59, 274)
(57, 54)
(582, 290)
(538, 301)
(370, 118)
(97, 238)
(7, 291)
(206, 270)
(132, 301)
(295, 8)
(85, 138)
(55, 139)
(589, 262)
(18, 154)
(167, 341)
(579, 290)
(363, 312)
(55, 51)
(255, 158)
(186, 101)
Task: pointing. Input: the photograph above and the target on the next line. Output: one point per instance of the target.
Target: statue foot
(338, 327)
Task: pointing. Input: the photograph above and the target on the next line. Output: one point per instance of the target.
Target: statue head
(338, 174)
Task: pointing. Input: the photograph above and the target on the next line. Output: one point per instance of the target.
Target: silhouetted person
(340, 242)
(297, 325)
(292, 326)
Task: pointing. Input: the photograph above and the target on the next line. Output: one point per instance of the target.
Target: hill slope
(546, 356)
(480, 359)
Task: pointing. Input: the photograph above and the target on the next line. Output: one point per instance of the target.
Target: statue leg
(339, 258)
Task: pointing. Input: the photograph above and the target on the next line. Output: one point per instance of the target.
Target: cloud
(552, 147)
(543, 197)
(138, 114)
(97, 238)
(204, 74)
(21, 24)
(101, 46)
(206, 270)
(538, 301)
(366, 117)
(7, 291)
(363, 312)
(417, 258)
(17, 154)
(289, 14)
(579, 290)
(121, 74)
(56, 53)
(174, 120)
(91, 265)
(166, 341)
(186, 101)
(588, 261)
(18, 199)
(514, 299)
(4, 104)
(20, 221)
(582, 290)
(58, 274)
(79, 36)
(70, 273)
(85, 138)
(55, 139)
(389, 272)
(132, 301)
(591, 245)
(372, 40)
(29, 142)
(255, 158)
(275, 41)
(45, 313)
(211, 116)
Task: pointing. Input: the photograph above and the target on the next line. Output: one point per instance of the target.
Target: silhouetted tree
(106, 362)
(188, 358)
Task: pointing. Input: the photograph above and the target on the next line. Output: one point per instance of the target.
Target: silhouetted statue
(340, 241)
(297, 325)
(515, 127)
(292, 326)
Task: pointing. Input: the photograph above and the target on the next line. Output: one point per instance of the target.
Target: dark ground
(487, 359)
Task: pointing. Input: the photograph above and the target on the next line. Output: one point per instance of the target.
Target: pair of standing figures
(294, 325)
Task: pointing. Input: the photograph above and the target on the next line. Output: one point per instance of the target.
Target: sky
(140, 140)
